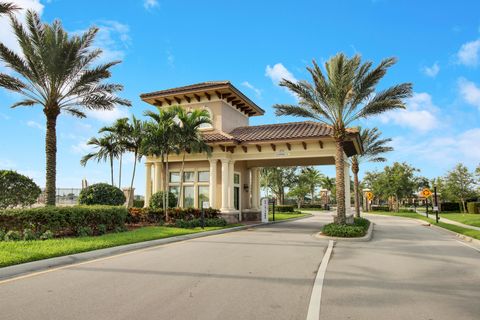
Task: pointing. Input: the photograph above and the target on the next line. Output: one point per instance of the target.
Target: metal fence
(64, 196)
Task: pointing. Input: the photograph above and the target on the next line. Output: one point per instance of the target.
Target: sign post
(435, 208)
(205, 205)
(370, 197)
(264, 206)
(426, 193)
(273, 207)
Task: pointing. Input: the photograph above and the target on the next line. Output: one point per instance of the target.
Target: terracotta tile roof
(196, 86)
(217, 136)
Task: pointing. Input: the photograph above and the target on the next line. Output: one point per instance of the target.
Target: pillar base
(231, 216)
(251, 215)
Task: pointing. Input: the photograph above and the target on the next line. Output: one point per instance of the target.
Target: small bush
(473, 207)
(138, 203)
(450, 206)
(17, 190)
(380, 208)
(12, 235)
(284, 208)
(195, 223)
(29, 234)
(101, 229)
(313, 205)
(46, 235)
(358, 229)
(101, 194)
(2, 234)
(156, 201)
(84, 232)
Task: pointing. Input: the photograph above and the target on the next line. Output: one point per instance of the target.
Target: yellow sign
(426, 193)
(369, 195)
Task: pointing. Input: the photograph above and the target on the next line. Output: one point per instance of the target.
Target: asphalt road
(406, 272)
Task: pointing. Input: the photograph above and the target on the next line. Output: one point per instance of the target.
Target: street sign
(205, 205)
(369, 195)
(426, 193)
(264, 210)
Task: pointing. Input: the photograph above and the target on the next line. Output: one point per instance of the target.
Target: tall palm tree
(346, 94)
(312, 178)
(373, 147)
(106, 150)
(7, 7)
(55, 72)
(160, 141)
(119, 132)
(189, 138)
(134, 137)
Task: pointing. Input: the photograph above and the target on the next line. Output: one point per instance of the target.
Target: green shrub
(2, 234)
(358, 229)
(12, 235)
(46, 235)
(156, 201)
(380, 208)
(17, 190)
(29, 234)
(101, 194)
(101, 229)
(473, 207)
(84, 231)
(195, 223)
(284, 208)
(63, 220)
(312, 205)
(157, 216)
(450, 206)
(138, 203)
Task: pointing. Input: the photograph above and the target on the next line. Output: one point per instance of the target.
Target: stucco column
(157, 177)
(230, 184)
(348, 204)
(148, 183)
(224, 187)
(255, 187)
(213, 183)
(250, 191)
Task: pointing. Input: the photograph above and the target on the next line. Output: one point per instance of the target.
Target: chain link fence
(64, 196)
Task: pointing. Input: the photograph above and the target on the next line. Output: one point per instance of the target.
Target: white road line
(467, 245)
(316, 298)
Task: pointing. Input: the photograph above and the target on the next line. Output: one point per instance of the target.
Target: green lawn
(467, 232)
(285, 216)
(465, 218)
(16, 252)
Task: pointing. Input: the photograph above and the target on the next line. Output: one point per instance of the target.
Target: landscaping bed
(358, 229)
(465, 218)
(285, 216)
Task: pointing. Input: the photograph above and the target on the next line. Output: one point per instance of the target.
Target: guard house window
(188, 196)
(203, 195)
(189, 176)
(195, 188)
(175, 177)
(203, 176)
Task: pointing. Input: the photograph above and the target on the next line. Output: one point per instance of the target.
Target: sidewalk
(443, 219)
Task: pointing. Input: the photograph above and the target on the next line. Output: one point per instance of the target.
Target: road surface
(406, 272)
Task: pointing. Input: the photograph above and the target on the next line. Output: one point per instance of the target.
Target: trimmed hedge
(473, 207)
(284, 208)
(358, 229)
(152, 215)
(195, 223)
(380, 208)
(313, 206)
(64, 220)
(450, 206)
(138, 203)
(102, 194)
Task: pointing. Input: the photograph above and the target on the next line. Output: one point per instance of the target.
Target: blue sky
(165, 43)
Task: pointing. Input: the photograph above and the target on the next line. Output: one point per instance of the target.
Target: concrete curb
(365, 238)
(45, 264)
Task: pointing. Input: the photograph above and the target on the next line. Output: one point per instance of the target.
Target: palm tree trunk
(111, 169)
(51, 159)
(180, 191)
(356, 190)
(340, 181)
(130, 194)
(120, 172)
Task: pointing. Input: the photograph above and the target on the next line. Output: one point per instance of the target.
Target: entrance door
(236, 191)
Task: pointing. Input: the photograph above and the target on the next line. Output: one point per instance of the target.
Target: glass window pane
(189, 176)
(174, 176)
(203, 195)
(175, 190)
(203, 176)
(236, 178)
(188, 197)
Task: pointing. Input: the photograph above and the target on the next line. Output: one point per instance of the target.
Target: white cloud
(150, 4)
(36, 125)
(81, 148)
(431, 71)
(277, 73)
(419, 114)
(7, 164)
(469, 92)
(6, 34)
(468, 53)
(257, 91)
(108, 116)
(170, 59)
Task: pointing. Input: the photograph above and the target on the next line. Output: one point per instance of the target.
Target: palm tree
(106, 149)
(189, 138)
(55, 71)
(160, 141)
(346, 94)
(133, 143)
(312, 178)
(373, 146)
(120, 135)
(7, 7)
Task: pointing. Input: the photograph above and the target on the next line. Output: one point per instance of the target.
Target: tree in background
(189, 138)
(373, 147)
(312, 178)
(7, 7)
(107, 149)
(134, 138)
(277, 180)
(300, 188)
(460, 184)
(329, 184)
(54, 71)
(347, 93)
(17, 190)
